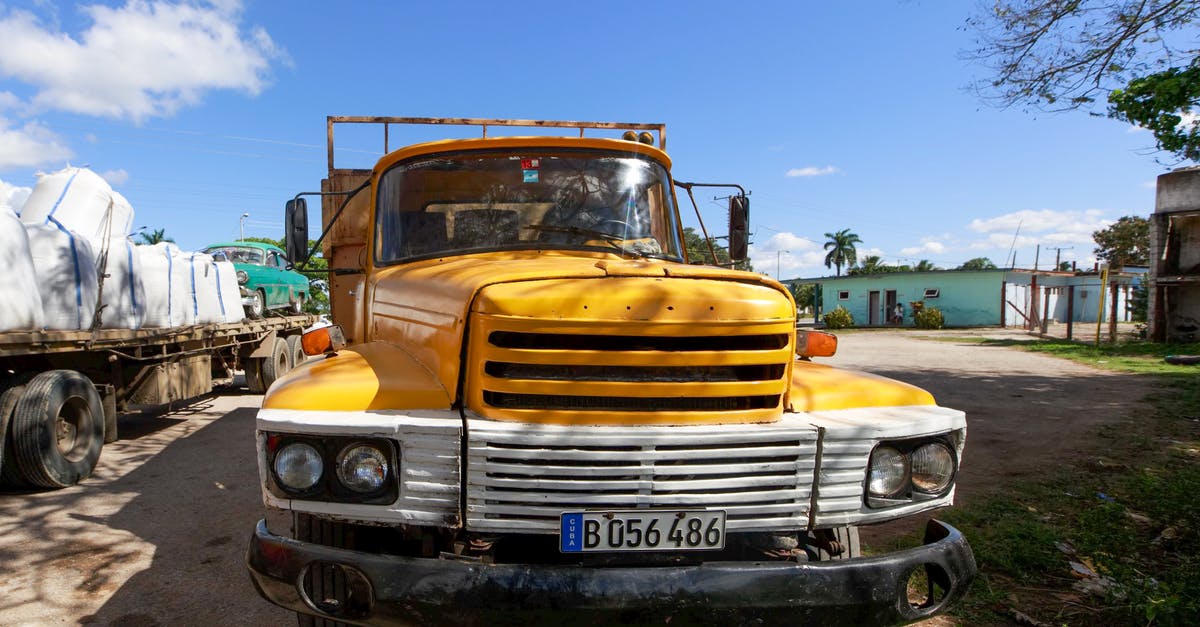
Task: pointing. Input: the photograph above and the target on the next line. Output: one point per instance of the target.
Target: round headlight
(242, 277)
(298, 466)
(932, 468)
(889, 472)
(362, 468)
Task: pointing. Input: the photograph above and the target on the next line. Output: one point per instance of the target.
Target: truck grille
(564, 372)
(522, 477)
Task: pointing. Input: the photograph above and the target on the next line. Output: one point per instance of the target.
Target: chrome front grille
(522, 477)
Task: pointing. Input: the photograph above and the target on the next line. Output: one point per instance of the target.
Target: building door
(889, 307)
(873, 316)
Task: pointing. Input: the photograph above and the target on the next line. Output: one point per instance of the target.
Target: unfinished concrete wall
(1174, 285)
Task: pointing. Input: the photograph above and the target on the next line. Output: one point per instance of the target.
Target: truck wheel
(10, 472)
(254, 382)
(58, 429)
(277, 364)
(322, 586)
(257, 306)
(296, 350)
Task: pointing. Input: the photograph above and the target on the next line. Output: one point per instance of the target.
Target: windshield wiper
(608, 238)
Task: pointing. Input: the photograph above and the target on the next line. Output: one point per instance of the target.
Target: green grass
(1134, 519)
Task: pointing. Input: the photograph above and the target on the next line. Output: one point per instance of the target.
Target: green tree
(1065, 54)
(1126, 242)
(317, 272)
(154, 237)
(871, 264)
(978, 263)
(841, 249)
(925, 265)
(697, 250)
(1064, 266)
(803, 293)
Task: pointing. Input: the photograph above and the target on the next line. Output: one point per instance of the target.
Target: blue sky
(834, 114)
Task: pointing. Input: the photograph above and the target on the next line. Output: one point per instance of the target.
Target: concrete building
(1173, 312)
(969, 298)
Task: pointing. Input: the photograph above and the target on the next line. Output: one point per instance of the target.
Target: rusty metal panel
(173, 381)
(351, 228)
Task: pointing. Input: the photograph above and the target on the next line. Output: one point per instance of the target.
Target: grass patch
(1131, 517)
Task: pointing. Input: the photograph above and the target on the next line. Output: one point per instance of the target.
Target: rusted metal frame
(484, 123)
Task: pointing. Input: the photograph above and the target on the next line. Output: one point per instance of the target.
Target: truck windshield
(237, 254)
(467, 202)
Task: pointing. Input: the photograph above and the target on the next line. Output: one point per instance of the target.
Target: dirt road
(157, 535)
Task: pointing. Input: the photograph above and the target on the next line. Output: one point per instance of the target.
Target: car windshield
(238, 254)
(467, 202)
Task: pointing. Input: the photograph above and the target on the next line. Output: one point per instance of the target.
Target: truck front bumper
(385, 589)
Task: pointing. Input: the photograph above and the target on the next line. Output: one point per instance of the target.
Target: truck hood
(425, 306)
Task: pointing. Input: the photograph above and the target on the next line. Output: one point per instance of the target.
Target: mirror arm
(708, 240)
(332, 221)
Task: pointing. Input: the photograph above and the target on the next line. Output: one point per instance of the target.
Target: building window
(932, 292)
(844, 295)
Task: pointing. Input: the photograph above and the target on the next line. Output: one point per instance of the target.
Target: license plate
(642, 530)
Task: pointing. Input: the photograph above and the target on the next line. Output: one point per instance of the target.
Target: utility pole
(242, 226)
(777, 254)
(1058, 253)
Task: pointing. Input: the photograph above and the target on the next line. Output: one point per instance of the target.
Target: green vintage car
(263, 277)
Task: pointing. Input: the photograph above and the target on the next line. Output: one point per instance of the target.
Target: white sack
(81, 201)
(206, 305)
(166, 279)
(66, 276)
(122, 293)
(20, 301)
(228, 292)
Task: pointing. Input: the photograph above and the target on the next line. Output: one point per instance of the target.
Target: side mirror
(739, 227)
(295, 227)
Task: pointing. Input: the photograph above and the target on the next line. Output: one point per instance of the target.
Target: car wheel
(258, 304)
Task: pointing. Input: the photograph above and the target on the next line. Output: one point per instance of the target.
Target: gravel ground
(157, 536)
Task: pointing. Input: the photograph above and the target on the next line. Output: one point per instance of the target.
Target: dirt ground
(157, 536)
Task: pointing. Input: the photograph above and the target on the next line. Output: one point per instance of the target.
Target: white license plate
(642, 530)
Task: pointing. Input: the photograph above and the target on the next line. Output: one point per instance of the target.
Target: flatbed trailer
(61, 391)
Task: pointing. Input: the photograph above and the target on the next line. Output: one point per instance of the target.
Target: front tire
(257, 306)
(58, 429)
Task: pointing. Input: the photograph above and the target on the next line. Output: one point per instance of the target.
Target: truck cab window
(458, 204)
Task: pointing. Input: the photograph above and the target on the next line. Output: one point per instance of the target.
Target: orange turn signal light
(323, 340)
(815, 344)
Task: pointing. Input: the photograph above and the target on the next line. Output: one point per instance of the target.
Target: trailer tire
(10, 472)
(278, 364)
(296, 350)
(253, 370)
(58, 429)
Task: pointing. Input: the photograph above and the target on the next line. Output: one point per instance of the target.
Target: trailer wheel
(296, 350)
(254, 382)
(58, 429)
(277, 364)
(10, 472)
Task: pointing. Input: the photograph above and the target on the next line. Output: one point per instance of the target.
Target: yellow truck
(536, 408)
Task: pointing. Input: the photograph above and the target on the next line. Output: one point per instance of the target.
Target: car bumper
(401, 590)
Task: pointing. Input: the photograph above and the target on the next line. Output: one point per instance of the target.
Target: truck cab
(543, 408)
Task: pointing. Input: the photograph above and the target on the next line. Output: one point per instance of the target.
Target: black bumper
(401, 590)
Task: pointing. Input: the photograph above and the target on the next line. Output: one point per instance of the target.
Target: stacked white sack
(227, 290)
(166, 276)
(206, 298)
(66, 276)
(20, 302)
(123, 293)
(81, 201)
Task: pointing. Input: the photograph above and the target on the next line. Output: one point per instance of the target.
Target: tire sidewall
(34, 422)
(260, 307)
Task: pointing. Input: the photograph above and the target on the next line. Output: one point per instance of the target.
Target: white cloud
(29, 146)
(13, 197)
(141, 60)
(115, 177)
(788, 254)
(1076, 223)
(929, 246)
(812, 171)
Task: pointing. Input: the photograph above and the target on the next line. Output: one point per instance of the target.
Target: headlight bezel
(909, 493)
(329, 487)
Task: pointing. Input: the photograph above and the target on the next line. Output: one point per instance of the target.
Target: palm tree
(154, 237)
(925, 265)
(841, 249)
(871, 264)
